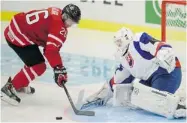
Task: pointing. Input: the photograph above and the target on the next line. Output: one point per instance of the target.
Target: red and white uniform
(40, 27)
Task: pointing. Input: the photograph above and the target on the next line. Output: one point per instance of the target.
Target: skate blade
(9, 100)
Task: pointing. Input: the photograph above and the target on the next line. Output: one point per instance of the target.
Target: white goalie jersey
(140, 59)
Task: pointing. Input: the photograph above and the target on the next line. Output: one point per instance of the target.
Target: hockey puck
(58, 118)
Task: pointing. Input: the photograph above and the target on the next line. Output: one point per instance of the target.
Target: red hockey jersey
(41, 27)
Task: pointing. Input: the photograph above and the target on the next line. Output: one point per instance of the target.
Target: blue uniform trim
(164, 81)
(165, 45)
(144, 54)
(120, 68)
(128, 80)
(145, 38)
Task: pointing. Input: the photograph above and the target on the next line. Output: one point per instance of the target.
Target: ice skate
(8, 93)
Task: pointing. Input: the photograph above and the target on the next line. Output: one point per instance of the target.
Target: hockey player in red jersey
(25, 33)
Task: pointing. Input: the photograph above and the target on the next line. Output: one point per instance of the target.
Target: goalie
(149, 71)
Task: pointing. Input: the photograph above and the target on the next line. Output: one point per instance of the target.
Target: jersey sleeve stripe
(56, 38)
(19, 31)
(160, 45)
(50, 43)
(17, 39)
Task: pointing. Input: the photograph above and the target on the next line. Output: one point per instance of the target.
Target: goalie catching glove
(60, 75)
(100, 98)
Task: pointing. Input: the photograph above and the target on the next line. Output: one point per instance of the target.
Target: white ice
(50, 101)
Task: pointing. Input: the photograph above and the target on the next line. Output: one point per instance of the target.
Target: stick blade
(86, 113)
(77, 112)
(79, 104)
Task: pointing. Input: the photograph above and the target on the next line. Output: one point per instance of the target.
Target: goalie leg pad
(122, 94)
(160, 102)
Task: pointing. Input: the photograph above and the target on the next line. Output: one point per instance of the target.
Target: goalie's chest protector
(139, 63)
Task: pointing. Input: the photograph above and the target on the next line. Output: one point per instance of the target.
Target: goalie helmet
(73, 12)
(122, 38)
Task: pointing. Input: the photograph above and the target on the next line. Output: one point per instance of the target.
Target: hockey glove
(60, 75)
(166, 59)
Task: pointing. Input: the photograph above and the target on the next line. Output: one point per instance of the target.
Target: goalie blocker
(160, 102)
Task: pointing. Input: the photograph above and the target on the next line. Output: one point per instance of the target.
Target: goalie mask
(122, 38)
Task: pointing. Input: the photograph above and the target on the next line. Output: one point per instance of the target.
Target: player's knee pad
(122, 94)
(38, 69)
(153, 100)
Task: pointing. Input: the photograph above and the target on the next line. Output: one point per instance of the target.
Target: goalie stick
(80, 100)
(77, 112)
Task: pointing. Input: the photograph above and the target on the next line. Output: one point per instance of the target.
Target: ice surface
(88, 57)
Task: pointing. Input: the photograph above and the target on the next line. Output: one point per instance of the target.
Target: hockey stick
(79, 102)
(77, 112)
